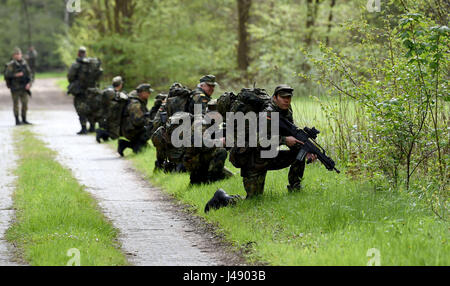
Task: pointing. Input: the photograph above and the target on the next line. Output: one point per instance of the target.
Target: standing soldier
(31, 59)
(136, 120)
(19, 80)
(83, 74)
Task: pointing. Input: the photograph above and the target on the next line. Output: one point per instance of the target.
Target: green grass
(46, 75)
(54, 213)
(62, 83)
(333, 221)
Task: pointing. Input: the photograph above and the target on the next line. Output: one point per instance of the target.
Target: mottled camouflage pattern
(254, 168)
(94, 100)
(161, 139)
(114, 113)
(21, 96)
(203, 163)
(75, 88)
(107, 97)
(75, 73)
(134, 119)
(159, 100)
(199, 97)
(81, 107)
(18, 83)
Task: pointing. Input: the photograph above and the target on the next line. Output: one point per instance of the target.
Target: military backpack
(115, 114)
(90, 72)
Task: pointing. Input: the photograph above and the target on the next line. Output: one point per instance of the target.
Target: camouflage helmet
(82, 49)
(212, 105)
(144, 87)
(161, 96)
(283, 90)
(176, 85)
(209, 80)
(117, 81)
(17, 51)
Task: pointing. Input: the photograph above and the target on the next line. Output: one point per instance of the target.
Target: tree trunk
(27, 20)
(243, 7)
(311, 15)
(330, 21)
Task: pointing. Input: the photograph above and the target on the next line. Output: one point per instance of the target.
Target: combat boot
(159, 166)
(18, 121)
(98, 136)
(294, 188)
(101, 134)
(83, 130)
(24, 120)
(221, 199)
(123, 144)
(180, 168)
(91, 128)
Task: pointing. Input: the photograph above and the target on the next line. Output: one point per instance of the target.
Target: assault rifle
(307, 136)
(25, 79)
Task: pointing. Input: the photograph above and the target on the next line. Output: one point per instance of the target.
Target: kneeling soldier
(136, 120)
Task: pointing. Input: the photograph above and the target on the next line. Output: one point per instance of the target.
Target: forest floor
(153, 228)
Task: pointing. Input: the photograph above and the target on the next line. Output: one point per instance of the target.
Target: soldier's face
(283, 102)
(209, 89)
(144, 95)
(17, 56)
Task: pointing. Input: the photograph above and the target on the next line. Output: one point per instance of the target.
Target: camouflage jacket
(135, 116)
(75, 70)
(17, 83)
(273, 107)
(199, 97)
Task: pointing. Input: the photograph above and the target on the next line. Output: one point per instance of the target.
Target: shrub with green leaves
(402, 89)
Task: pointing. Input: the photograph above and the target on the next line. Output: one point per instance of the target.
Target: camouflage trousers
(82, 108)
(206, 166)
(168, 157)
(254, 175)
(138, 139)
(21, 96)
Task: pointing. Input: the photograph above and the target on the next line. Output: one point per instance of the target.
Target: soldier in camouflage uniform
(169, 158)
(160, 99)
(18, 77)
(207, 164)
(255, 168)
(202, 94)
(31, 57)
(78, 91)
(254, 174)
(136, 121)
(108, 95)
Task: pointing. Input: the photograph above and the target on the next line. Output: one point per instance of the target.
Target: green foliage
(46, 20)
(401, 86)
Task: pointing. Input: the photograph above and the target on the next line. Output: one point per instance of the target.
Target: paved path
(152, 231)
(7, 164)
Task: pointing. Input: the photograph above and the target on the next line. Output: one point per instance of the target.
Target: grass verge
(54, 214)
(333, 221)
